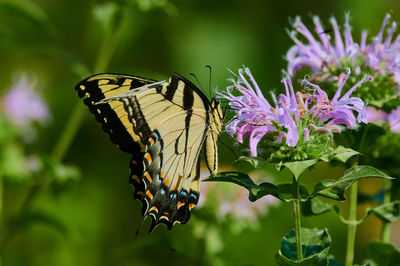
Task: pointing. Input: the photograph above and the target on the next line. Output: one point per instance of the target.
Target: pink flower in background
(375, 116)
(23, 106)
(394, 120)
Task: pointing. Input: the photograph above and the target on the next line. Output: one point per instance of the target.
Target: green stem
(352, 219)
(385, 234)
(352, 226)
(297, 221)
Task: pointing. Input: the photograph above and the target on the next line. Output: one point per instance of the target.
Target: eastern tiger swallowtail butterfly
(163, 124)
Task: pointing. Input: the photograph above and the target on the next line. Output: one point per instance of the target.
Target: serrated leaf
(283, 192)
(381, 254)
(298, 167)
(335, 189)
(315, 248)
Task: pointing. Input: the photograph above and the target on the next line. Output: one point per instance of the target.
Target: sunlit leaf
(335, 189)
(381, 254)
(298, 167)
(315, 248)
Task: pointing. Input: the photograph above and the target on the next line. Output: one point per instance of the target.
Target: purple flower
(22, 105)
(293, 116)
(394, 120)
(382, 55)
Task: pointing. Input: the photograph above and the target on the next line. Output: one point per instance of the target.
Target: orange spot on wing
(148, 193)
(151, 141)
(148, 158)
(134, 162)
(148, 177)
(191, 205)
(167, 181)
(161, 174)
(166, 213)
(180, 204)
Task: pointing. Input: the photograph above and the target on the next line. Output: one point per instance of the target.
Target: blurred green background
(94, 218)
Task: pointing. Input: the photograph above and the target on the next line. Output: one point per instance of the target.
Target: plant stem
(297, 221)
(352, 226)
(385, 234)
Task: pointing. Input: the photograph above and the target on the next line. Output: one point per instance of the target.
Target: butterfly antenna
(209, 82)
(198, 82)
(229, 148)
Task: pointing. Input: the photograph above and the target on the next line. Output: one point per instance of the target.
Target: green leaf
(298, 167)
(254, 161)
(283, 192)
(388, 212)
(316, 206)
(315, 247)
(335, 189)
(342, 154)
(381, 254)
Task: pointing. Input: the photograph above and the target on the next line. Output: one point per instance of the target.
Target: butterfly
(164, 125)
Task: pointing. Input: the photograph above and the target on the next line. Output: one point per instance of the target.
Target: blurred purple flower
(22, 105)
(375, 116)
(394, 120)
(292, 113)
(382, 55)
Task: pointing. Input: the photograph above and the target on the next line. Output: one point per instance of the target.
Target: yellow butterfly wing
(167, 122)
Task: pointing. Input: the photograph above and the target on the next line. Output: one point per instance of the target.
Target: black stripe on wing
(93, 89)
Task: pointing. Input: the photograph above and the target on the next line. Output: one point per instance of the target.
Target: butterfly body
(164, 126)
